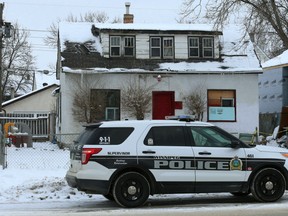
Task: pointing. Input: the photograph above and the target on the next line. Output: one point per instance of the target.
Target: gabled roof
(277, 62)
(30, 94)
(237, 54)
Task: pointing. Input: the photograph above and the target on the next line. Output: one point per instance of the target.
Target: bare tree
(136, 97)
(85, 104)
(93, 17)
(266, 20)
(18, 63)
(196, 101)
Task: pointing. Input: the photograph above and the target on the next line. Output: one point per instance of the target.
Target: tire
(131, 189)
(109, 196)
(240, 194)
(268, 185)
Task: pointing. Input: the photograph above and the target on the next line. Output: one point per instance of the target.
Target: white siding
(181, 47)
(105, 45)
(247, 107)
(142, 46)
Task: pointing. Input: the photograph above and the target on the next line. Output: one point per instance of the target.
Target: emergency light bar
(186, 118)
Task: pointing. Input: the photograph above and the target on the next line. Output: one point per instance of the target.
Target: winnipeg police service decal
(236, 164)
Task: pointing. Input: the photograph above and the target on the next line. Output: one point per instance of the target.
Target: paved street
(219, 205)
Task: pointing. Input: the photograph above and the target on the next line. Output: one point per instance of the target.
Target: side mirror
(235, 144)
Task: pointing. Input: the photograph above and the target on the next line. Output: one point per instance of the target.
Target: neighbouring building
(273, 92)
(35, 109)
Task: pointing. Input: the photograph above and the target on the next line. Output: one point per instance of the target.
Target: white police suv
(127, 161)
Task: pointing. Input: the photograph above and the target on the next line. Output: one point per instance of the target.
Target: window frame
(115, 46)
(162, 47)
(215, 109)
(202, 47)
(193, 47)
(208, 47)
(122, 45)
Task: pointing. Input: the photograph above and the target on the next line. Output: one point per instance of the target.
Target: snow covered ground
(35, 174)
(42, 185)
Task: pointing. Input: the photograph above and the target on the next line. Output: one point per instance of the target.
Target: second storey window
(193, 47)
(207, 47)
(161, 47)
(200, 47)
(122, 46)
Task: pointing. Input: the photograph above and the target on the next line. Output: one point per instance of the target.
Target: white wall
(246, 86)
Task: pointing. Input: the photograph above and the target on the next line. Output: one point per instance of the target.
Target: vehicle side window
(165, 136)
(105, 136)
(209, 137)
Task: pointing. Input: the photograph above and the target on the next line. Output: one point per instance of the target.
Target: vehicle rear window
(105, 136)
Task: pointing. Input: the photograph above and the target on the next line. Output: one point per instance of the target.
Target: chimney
(12, 92)
(128, 18)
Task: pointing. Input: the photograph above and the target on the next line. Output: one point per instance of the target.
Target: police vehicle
(127, 161)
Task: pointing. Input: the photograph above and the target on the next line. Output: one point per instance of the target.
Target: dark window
(155, 47)
(162, 47)
(207, 47)
(105, 104)
(105, 136)
(210, 137)
(115, 46)
(129, 46)
(200, 47)
(122, 46)
(165, 136)
(193, 47)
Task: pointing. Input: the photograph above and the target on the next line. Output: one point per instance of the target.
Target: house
(273, 91)
(36, 109)
(168, 62)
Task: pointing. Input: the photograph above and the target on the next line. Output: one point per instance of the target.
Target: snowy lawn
(35, 174)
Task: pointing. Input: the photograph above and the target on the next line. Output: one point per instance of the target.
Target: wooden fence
(40, 124)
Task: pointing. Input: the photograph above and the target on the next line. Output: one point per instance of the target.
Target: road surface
(166, 205)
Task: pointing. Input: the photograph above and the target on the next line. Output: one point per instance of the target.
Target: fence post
(2, 149)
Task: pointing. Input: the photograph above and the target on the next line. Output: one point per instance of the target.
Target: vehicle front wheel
(268, 185)
(131, 189)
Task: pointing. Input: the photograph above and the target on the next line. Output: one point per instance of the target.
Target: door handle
(148, 152)
(204, 153)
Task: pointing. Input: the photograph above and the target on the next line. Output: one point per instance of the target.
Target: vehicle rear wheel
(131, 189)
(268, 185)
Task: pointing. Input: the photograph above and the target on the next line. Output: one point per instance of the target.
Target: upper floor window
(200, 47)
(122, 46)
(207, 47)
(193, 47)
(162, 47)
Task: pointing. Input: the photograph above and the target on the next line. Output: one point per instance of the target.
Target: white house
(172, 60)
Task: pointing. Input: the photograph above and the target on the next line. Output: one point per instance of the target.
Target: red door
(163, 104)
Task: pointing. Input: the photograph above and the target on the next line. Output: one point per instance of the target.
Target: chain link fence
(53, 154)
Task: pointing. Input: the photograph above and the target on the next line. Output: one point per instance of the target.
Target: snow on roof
(238, 54)
(29, 94)
(278, 61)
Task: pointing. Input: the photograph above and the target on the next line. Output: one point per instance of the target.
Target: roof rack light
(186, 118)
